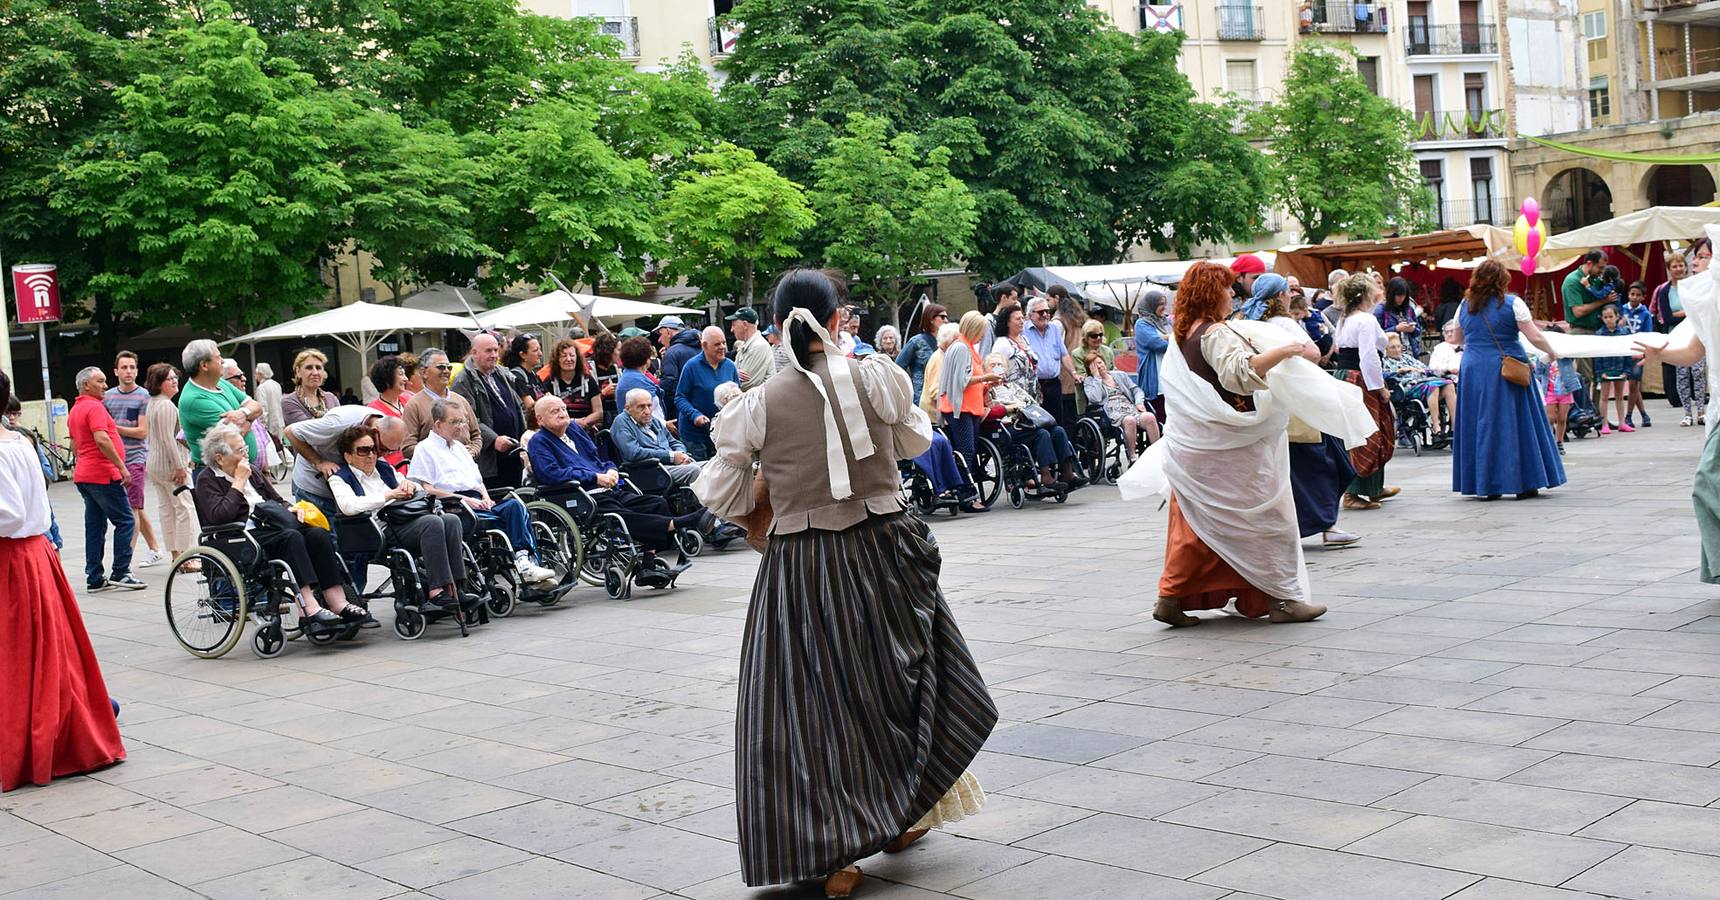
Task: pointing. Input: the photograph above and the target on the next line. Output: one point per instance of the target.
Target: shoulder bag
(1511, 368)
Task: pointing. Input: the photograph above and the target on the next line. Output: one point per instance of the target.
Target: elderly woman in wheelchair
(231, 492)
(364, 485)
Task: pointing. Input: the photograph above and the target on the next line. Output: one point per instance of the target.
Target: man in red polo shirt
(101, 478)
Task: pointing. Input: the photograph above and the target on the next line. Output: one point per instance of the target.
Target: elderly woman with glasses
(231, 491)
(363, 485)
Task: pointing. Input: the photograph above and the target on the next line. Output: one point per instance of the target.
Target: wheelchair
(922, 498)
(602, 550)
(216, 586)
(1414, 427)
(1015, 466)
(652, 477)
(490, 562)
(405, 586)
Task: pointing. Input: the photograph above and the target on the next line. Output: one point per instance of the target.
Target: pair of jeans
(1050, 446)
(962, 430)
(104, 504)
(516, 524)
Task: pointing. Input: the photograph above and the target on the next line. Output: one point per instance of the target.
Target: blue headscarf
(1266, 287)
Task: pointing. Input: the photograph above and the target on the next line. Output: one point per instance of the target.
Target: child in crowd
(1319, 330)
(1556, 395)
(1415, 380)
(1613, 372)
(1124, 407)
(1637, 319)
(1607, 284)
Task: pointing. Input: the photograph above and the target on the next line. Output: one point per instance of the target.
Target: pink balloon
(1531, 211)
(1533, 241)
(1528, 265)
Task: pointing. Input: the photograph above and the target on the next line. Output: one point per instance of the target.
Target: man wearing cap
(753, 359)
(679, 344)
(695, 392)
(1247, 268)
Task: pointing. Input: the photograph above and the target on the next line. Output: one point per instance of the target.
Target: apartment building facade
(654, 33)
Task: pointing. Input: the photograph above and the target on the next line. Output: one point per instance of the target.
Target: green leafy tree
(1340, 156)
(562, 200)
(730, 217)
(411, 202)
(888, 209)
(215, 183)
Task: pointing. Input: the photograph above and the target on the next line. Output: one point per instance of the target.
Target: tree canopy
(731, 219)
(1340, 157)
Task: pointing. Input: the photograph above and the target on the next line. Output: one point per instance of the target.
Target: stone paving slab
(1489, 712)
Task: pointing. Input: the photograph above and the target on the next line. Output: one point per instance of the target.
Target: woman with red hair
(1232, 534)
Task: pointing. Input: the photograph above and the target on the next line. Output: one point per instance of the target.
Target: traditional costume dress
(1360, 342)
(1320, 467)
(1700, 297)
(1501, 442)
(1224, 463)
(55, 717)
(860, 706)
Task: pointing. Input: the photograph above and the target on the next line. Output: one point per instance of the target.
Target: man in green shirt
(1583, 312)
(207, 400)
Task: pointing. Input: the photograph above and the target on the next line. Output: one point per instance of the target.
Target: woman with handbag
(1032, 423)
(1502, 443)
(364, 485)
(860, 706)
(1356, 357)
(231, 491)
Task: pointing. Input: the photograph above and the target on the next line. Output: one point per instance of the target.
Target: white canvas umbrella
(560, 307)
(360, 326)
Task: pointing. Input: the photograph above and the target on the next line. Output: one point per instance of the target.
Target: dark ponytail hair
(819, 292)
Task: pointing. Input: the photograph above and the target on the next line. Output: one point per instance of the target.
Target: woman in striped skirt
(1359, 344)
(860, 707)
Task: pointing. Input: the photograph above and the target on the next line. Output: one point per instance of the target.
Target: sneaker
(98, 587)
(1561, 449)
(1627, 421)
(151, 558)
(1685, 422)
(127, 582)
(531, 571)
(1626, 427)
(1645, 422)
(1334, 539)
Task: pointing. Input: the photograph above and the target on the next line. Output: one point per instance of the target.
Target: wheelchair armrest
(227, 530)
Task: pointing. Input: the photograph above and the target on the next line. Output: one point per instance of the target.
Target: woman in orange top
(963, 381)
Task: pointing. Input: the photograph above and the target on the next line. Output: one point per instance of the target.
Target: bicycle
(61, 457)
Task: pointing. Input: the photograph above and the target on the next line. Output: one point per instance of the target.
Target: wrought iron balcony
(1453, 40)
(1334, 17)
(723, 34)
(624, 29)
(1237, 22)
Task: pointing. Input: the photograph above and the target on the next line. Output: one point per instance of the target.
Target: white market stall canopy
(560, 307)
(1657, 223)
(1119, 285)
(360, 326)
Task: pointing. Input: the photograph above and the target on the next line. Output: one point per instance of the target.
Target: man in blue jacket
(680, 344)
(695, 392)
(562, 453)
(640, 437)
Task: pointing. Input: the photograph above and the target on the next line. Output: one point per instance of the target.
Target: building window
(1475, 102)
(1595, 25)
(1369, 68)
(1600, 99)
(1240, 79)
(1433, 172)
(1424, 94)
(1481, 189)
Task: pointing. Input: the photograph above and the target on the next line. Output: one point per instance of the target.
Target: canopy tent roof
(559, 307)
(1116, 285)
(360, 326)
(1039, 278)
(446, 298)
(1657, 223)
(1312, 263)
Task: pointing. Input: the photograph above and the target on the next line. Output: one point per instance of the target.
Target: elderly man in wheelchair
(444, 465)
(232, 493)
(565, 458)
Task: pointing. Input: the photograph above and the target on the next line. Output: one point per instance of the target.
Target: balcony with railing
(1348, 18)
(1480, 210)
(624, 29)
(723, 34)
(1238, 22)
(1453, 40)
(1676, 69)
(1458, 125)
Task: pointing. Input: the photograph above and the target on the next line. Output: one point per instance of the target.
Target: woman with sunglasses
(363, 485)
(919, 349)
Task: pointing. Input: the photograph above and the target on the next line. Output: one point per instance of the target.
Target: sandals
(842, 882)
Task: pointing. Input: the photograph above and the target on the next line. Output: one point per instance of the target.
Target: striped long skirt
(1369, 460)
(860, 707)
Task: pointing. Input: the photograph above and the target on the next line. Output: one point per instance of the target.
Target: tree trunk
(747, 283)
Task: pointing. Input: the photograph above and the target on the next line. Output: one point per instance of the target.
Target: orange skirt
(1198, 578)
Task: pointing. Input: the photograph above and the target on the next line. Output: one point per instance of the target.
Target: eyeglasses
(443, 367)
(1042, 314)
(1094, 335)
(364, 450)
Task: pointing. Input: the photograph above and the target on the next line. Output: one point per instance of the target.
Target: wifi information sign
(36, 287)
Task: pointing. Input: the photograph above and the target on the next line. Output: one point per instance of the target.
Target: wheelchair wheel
(989, 478)
(1017, 496)
(504, 594)
(561, 548)
(597, 560)
(269, 641)
(691, 543)
(409, 623)
(283, 464)
(206, 602)
(1089, 441)
(617, 581)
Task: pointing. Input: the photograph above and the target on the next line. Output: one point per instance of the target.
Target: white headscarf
(847, 399)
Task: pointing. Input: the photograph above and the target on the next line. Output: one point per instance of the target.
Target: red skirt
(1198, 578)
(55, 718)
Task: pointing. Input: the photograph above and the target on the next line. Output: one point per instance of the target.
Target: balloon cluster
(1529, 234)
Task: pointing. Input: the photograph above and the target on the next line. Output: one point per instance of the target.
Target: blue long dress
(1502, 443)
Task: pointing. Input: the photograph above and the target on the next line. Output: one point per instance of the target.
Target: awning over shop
(1657, 223)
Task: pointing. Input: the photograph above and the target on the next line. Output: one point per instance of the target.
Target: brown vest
(1202, 369)
(792, 459)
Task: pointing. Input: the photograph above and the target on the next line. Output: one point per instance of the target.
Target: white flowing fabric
(1230, 470)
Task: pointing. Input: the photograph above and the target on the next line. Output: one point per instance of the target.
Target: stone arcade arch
(1576, 197)
(1690, 185)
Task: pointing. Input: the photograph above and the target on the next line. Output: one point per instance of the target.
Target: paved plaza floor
(1507, 701)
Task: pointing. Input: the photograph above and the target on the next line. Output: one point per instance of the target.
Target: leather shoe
(1388, 493)
(1168, 612)
(1284, 611)
(842, 882)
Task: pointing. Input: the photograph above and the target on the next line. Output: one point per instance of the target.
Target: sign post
(5, 328)
(36, 288)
